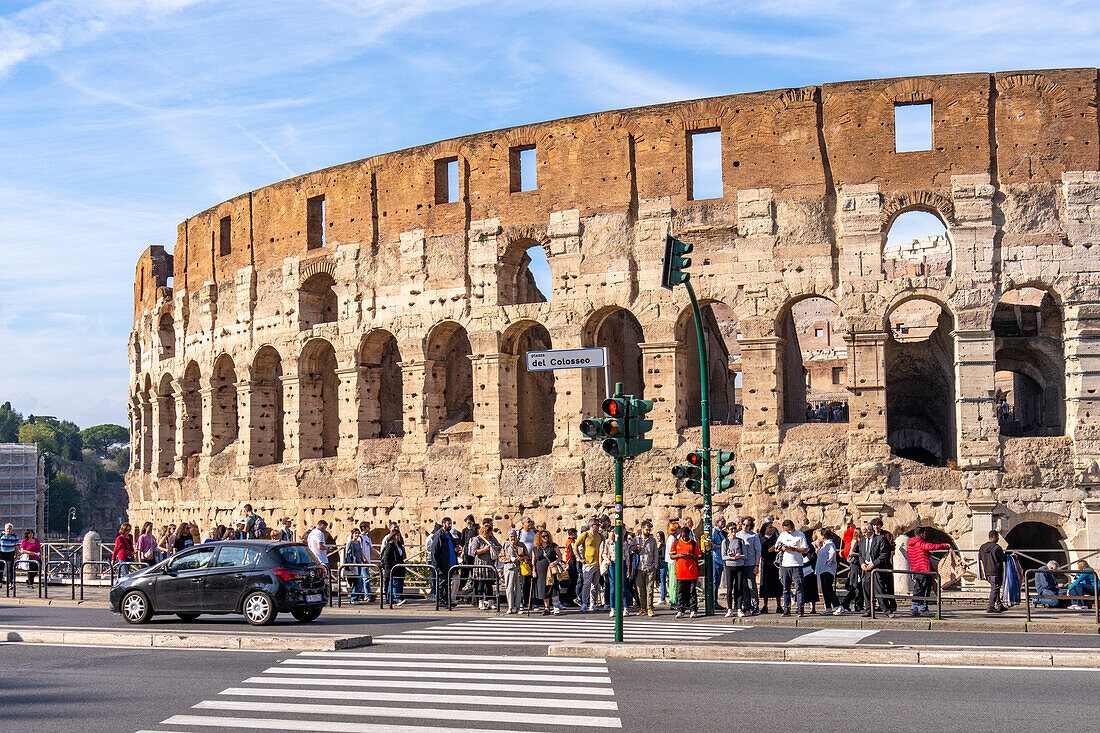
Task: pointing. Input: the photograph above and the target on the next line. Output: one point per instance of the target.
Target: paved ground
(418, 689)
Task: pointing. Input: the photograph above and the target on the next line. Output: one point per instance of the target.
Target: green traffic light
(674, 263)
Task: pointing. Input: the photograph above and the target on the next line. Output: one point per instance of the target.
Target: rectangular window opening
(819, 332)
(912, 127)
(521, 167)
(315, 222)
(446, 181)
(225, 237)
(838, 373)
(705, 154)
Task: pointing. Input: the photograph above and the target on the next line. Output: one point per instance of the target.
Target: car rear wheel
(305, 615)
(188, 616)
(135, 607)
(258, 608)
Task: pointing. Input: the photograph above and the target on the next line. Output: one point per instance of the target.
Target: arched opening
(524, 274)
(223, 420)
(191, 422)
(721, 332)
(920, 383)
(381, 392)
(166, 334)
(917, 245)
(319, 421)
(146, 457)
(535, 395)
(267, 442)
(1030, 381)
(814, 362)
(619, 331)
(317, 301)
(450, 395)
(935, 535)
(1036, 544)
(166, 427)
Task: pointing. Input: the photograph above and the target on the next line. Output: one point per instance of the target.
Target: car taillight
(324, 572)
(288, 575)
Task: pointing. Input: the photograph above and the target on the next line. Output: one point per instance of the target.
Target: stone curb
(183, 640)
(926, 624)
(1063, 658)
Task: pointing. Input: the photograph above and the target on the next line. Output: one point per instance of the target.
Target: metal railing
(388, 578)
(912, 598)
(1095, 597)
(96, 564)
(336, 587)
(469, 573)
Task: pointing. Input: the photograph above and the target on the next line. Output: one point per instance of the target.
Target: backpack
(259, 529)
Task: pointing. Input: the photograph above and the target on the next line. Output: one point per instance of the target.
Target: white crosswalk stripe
(412, 693)
(508, 631)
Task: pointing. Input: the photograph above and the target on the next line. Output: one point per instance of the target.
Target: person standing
(791, 548)
(30, 552)
(825, 569)
(733, 567)
(572, 569)
(649, 557)
(123, 551)
(353, 555)
(286, 534)
(526, 534)
(718, 535)
(485, 549)
(147, 545)
(545, 554)
(662, 569)
(992, 558)
(183, 538)
(315, 541)
(9, 543)
(874, 553)
(468, 533)
(441, 553)
(393, 556)
(588, 547)
(686, 554)
(512, 555)
(670, 561)
(750, 543)
(770, 586)
(917, 548)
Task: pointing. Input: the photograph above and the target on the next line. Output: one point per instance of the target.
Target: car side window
(193, 561)
(236, 557)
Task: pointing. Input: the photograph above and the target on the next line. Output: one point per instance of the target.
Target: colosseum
(350, 343)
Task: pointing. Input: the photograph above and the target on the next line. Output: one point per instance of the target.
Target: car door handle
(238, 575)
(196, 580)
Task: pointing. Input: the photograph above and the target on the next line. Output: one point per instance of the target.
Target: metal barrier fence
(337, 579)
(1095, 597)
(467, 573)
(938, 598)
(388, 578)
(98, 564)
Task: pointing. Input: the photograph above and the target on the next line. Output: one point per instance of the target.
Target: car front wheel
(305, 615)
(135, 607)
(259, 608)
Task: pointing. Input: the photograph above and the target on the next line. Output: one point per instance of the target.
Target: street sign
(538, 361)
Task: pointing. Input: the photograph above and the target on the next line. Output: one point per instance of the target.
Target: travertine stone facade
(350, 343)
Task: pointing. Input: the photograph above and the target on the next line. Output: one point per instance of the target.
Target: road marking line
(905, 665)
(146, 647)
(388, 696)
(315, 726)
(451, 641)
(594, 634)
(433, 685)
(502, 667)
(425, 674)
(472, 657)
(498, 716)
(833, 637)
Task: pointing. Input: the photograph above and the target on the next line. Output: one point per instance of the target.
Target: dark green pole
(619, 568)
(704, 403)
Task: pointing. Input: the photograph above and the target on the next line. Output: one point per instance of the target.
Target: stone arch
(191, 419)
(319, 417)
(1030, 378)
(620, 331)
(530, 403)
(381, 392)
(721, 332)
(1037, 538)
(267, 442)
(166, 427)
(515, 281)
(926, 255)
(936, 534)
(166, 336)
(813, 360)
(223, 399)
(912, 90)
(449, 392)
(920, 380)
(317, 301)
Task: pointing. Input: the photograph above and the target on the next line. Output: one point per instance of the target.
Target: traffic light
(637, 426)
(723, 468)
(692, 471)
(672, 269)
(615, 426)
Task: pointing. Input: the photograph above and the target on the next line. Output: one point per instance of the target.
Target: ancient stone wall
(350, 342)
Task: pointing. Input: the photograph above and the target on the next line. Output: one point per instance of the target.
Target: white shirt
(527, 537)
(668, 547)
(316, 543)
(826, 558)
(790, 558)
(367, 546)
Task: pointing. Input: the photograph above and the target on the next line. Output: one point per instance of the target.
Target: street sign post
(594, 358)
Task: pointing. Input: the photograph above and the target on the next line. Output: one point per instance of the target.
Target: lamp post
(69, 524)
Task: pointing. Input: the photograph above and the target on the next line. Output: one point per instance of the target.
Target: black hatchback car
(255, 577)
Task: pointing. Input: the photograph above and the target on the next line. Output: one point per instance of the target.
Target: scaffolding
(22, 487)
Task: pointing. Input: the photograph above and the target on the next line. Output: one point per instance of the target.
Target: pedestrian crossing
(412, 693)
(507, 631)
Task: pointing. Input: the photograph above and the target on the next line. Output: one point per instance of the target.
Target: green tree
(10, 420)
(53, 437)
(101, 438)
(122, 459)
(62, 495)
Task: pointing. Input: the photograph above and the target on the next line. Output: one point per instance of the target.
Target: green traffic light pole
(619, 568)
(704, 404)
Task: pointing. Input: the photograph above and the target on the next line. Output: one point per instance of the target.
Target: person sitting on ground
(1047, 587)
(1083, 584)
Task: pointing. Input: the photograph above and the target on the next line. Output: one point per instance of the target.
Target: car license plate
(314, 598)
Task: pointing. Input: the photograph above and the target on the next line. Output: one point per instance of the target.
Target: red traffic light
(695, 459)
(612, 407)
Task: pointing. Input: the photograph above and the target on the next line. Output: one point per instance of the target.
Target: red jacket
(849, 535)
(124, 549)
(918, 553)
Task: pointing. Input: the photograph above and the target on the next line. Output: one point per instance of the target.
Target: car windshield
(295, 555)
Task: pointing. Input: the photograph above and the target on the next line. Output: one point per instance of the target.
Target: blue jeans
(792, 588)
(719, 566)
(662, 580)
(357, 585)
(395, 589)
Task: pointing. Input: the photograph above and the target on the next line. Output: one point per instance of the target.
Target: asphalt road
(48, 689)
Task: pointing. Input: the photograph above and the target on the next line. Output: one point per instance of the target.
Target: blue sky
(119, 118)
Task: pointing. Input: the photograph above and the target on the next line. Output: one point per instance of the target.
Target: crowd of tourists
(24, 554)
(532, 570)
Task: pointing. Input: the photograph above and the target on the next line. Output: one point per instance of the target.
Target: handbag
(951, 569)
(525, 567)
